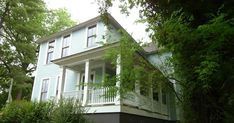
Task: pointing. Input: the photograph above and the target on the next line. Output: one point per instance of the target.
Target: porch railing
(96, 96)
(104, 95)
(74, 94)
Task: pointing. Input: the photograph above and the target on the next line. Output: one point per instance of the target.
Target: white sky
(83, 10)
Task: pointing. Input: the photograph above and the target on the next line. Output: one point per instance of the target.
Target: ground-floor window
(44, 89)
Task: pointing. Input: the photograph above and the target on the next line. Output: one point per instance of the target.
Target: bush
(66, 111)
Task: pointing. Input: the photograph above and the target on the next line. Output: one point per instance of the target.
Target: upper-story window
(44, 89)
(91, 36)
(65, 46)
(50, 52)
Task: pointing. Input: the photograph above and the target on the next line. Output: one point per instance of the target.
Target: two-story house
(71, 59)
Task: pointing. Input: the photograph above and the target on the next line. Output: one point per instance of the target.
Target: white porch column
(62, 83)
(118, 70)
(87, 71)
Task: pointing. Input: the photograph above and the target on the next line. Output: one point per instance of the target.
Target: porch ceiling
(82, 56)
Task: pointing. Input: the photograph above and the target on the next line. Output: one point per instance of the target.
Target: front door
(82, 80)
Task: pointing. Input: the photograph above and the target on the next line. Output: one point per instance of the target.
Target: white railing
(104, 95)
(74, 94)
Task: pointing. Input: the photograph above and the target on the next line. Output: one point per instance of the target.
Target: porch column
(87, 71)
(62, 83)
(118, 70)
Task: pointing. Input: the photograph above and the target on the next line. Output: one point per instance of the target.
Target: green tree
(21, 23)
(199, 34)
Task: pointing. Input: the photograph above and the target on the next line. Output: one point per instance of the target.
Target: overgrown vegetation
(135, 69)
(65, 111)
(21, 23)
(199, 34)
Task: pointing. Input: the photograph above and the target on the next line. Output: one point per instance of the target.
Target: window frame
(67, 46)
(48, 61)
(44, 91)
(93, 44)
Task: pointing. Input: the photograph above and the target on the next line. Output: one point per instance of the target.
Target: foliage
(66, 111)
(200, 36)
(130, 56)
(21, 23)
(26, 112)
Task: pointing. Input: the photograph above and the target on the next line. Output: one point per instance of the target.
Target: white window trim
(86, 36)
(46, 53)
(61, 48)
(48, 50)
(39, 97)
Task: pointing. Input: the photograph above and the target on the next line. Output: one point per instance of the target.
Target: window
(57, 87)
(44, 89)
(155, 95)
(164, 97)
(91, 36)
(65, 46)
(50, 52)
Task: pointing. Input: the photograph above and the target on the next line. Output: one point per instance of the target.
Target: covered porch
(83, 77)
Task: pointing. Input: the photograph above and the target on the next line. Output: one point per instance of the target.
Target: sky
(83, 10)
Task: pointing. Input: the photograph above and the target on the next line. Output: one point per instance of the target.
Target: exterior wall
(70, 80)
(112, 35)
(45, 71)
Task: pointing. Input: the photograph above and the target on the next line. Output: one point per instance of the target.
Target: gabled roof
(111, 20)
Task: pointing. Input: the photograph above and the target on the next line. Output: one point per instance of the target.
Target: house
(71, 59)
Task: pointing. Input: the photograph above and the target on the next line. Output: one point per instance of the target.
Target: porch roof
(82, 56)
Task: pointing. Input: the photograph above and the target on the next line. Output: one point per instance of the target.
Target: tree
(199, 34)
(21, 23)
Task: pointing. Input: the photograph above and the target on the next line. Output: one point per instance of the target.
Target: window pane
(65, 51)
(43, 96)
(50, 51)
(66, 41)
(91, 41)
(49, 57)
(91, 36)
(90, 33)
(51, 46)
(44, 89)
(65, 47)
(92, 30)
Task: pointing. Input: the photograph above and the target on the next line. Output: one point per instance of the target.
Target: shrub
(66, 111)
(25, 112)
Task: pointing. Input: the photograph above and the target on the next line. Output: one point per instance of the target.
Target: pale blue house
(70, 59)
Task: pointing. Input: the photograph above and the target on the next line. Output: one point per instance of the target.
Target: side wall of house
(161, 61)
